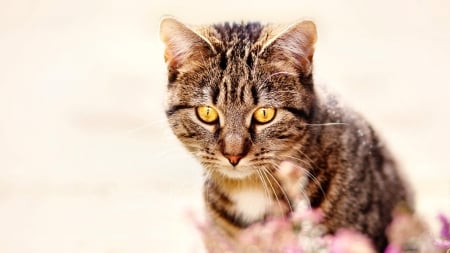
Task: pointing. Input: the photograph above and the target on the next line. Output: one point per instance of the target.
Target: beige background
(87, 163)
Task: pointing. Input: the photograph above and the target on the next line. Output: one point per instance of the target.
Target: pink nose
(234, 159)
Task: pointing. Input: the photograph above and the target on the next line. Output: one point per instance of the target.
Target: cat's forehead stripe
(239, 34)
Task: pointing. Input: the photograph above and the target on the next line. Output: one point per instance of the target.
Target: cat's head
(239, 95)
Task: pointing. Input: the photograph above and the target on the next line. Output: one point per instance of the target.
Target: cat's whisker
(264, 173)
(326, 124)
(281, 189)
(167, 152)
(304, 162)
(145, 126)
(306, 198)
(302, 192)
(286, 91)
(307, 162)
(309, 174)
(306, 156)
(264, 82)
(281, 73)
(263, 183)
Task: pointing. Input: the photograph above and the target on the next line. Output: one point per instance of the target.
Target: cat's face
(239, 95)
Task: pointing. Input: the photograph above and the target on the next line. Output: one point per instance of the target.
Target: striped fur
(237, 68)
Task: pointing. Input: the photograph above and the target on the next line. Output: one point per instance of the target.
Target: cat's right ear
(183, 44)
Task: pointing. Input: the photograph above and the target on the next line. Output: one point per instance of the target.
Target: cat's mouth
(239, 171)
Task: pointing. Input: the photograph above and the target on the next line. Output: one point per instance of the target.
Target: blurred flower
(408, 232)
(445, 230)
(349, 241)
(444, 241)
(302, 232)
(392, 248)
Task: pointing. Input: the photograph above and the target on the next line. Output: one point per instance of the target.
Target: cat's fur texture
(236, 69)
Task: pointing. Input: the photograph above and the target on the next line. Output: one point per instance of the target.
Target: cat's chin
(235, 173)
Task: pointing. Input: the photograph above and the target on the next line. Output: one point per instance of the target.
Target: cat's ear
(294, 44)
(183, 44)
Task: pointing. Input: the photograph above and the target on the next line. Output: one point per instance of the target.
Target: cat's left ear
(294, 44)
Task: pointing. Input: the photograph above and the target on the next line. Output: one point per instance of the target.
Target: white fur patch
(235, 173)
(252, 204)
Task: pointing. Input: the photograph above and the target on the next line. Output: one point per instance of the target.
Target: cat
(241, 98)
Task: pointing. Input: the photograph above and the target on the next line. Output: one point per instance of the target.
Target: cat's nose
(234, 159)
(234, 146)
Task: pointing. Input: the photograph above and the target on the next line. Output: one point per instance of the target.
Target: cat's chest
(251, 204)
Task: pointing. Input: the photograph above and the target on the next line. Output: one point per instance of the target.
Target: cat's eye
(264, 115)
(207, 114)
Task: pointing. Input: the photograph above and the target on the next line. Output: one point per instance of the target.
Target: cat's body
(241, 98)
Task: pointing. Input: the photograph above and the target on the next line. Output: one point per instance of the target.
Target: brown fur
(237, 68)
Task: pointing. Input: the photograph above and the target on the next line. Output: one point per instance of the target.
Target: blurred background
(87, 162)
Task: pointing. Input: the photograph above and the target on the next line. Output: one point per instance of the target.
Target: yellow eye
(264, 114)
(207, 114)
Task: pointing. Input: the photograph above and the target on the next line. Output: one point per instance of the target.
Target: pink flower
(445, 230)
(392, 248)
(444, 241)
(313, 215)
(348, 241)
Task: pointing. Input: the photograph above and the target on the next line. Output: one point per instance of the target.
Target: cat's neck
(250, 198)
(228, 184)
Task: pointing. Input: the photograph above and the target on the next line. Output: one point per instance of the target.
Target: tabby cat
(241, 98)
